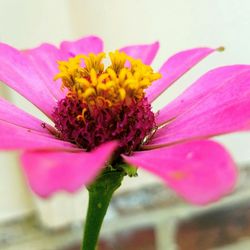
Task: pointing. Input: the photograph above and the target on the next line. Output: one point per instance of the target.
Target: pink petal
(49, 172)
(223, 111)
(17, 72)
(86, 45)
(44, 59)
(204, 86)
(12, 114)
(174, 68)
(199, 171)
(14, 137)
(145, 52)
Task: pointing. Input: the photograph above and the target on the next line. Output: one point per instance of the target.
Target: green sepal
(130, 170)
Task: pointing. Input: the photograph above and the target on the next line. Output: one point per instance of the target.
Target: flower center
(105, 104)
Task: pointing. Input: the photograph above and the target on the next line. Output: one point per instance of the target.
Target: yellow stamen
(86, 78)
(122, 93)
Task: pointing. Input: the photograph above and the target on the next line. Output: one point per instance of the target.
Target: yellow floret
(86, 78)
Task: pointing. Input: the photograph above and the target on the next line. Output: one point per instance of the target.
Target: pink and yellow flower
(102, 117)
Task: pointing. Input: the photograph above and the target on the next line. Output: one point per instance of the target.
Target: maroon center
(128, 124)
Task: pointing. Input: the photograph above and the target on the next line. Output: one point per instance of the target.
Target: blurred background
(143, 215)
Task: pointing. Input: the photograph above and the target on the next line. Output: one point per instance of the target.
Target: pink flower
(171, 144)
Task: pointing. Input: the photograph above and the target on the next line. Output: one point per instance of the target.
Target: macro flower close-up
(102, 123)
(99, 111)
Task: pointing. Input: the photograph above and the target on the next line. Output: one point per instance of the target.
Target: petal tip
(220, 49)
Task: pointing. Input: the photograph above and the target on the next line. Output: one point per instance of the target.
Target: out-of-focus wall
(178, 25)
(28, 23)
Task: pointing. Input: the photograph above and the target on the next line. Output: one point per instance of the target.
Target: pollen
(122, 81)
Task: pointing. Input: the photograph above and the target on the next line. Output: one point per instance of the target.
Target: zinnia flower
(102, 117)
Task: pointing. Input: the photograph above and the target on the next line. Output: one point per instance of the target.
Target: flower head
(104, 104)
(101, 110)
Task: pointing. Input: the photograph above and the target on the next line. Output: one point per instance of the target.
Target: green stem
(100, 194)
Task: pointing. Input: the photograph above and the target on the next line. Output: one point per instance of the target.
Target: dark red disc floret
(128, 124)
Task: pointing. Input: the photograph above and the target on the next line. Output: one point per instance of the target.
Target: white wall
(27, 23)
(176, 24)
